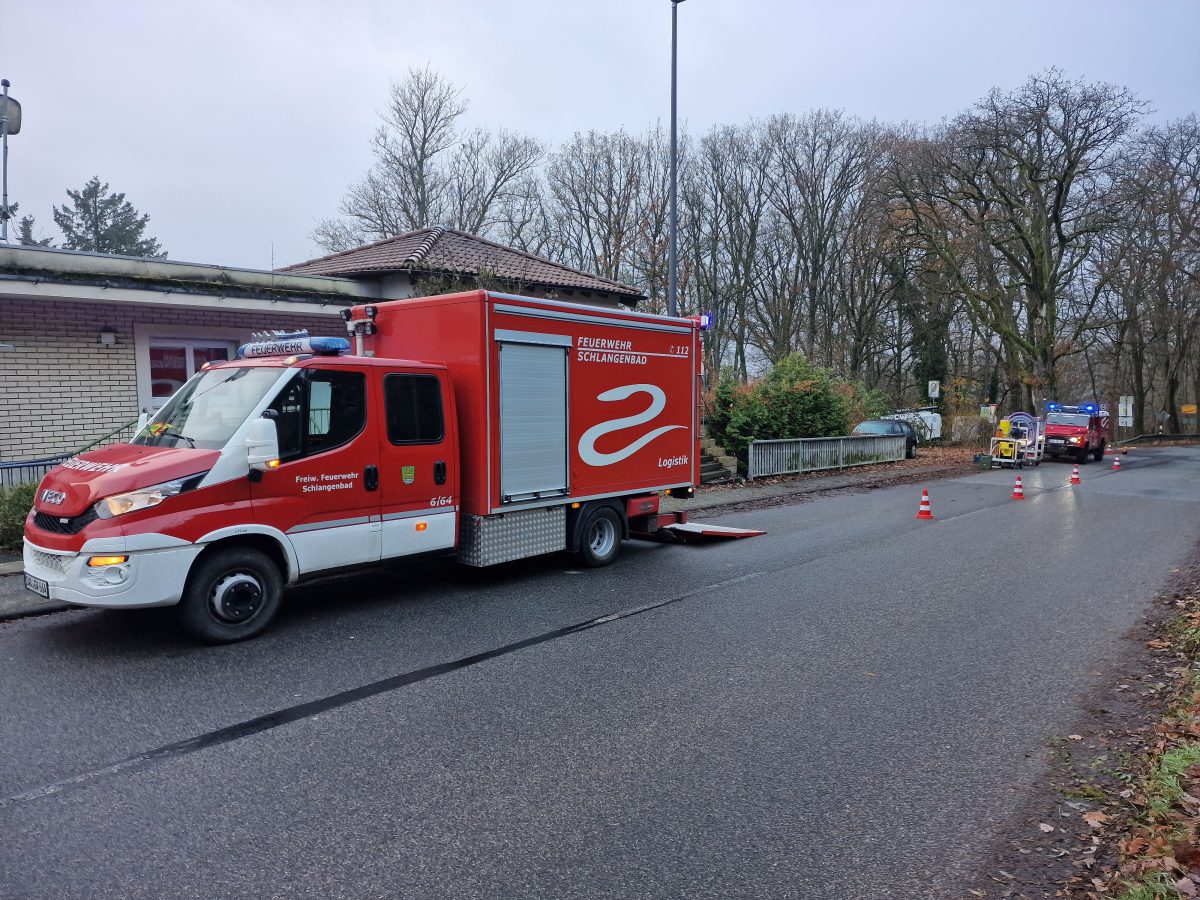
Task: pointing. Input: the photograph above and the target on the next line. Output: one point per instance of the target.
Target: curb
(16, 567)
(38, 609)
(814, 487)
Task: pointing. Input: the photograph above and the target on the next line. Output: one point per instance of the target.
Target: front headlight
(144, 498)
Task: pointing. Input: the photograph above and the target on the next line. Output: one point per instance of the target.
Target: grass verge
(1157, 817)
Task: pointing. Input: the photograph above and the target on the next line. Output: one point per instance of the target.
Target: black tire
(232, 594)
(600, 537)
(1082, 456)
(1098, 453)
(912, 451)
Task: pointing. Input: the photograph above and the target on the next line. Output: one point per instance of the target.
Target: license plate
(36, 585)
(1056, 440)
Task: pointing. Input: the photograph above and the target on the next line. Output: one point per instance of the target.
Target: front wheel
(1082, 457)
(1098, 453)
(231, 594)
(600, 539)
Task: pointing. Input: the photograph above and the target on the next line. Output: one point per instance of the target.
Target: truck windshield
(206, 411)
(1067, 419)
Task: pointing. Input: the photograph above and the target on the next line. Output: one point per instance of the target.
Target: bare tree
(426, 172)
(1011, 199)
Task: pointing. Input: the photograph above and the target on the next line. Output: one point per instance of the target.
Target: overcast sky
(239, 124)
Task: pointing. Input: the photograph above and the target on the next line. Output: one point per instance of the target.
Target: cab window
(414, 408)
(319, 410)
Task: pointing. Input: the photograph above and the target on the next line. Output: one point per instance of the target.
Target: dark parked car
(890, 426)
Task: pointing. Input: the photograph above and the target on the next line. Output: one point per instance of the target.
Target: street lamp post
(673, 264)
(4, 163)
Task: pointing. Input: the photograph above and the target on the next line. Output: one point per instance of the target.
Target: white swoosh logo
(587, 442)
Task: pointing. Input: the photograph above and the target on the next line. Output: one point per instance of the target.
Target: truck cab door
(325, 494)
(418, 461)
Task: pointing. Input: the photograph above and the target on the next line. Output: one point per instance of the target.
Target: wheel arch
(576, 518)
(273, 543)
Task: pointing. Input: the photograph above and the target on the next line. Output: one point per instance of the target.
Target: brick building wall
(60, 389)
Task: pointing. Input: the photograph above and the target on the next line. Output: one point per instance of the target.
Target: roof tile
(448, 250)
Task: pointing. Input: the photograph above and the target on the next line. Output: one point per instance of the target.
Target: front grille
(55, 562)
(64, 524)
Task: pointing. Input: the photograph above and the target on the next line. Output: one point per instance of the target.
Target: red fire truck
(486, 425)
(1076, 431)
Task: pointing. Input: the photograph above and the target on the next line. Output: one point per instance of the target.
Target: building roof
(449, 251)
(73, 274)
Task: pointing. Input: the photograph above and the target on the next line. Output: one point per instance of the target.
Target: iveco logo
(53, 497)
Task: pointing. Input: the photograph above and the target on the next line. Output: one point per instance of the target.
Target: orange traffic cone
(1075, 476)
(924, 512)
(1117, 463)
(1018, 491)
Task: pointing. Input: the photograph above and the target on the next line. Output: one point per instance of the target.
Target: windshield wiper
(170, 431)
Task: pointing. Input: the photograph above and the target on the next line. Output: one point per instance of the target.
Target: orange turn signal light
(272, 464)
(421, 526)
(98, 561)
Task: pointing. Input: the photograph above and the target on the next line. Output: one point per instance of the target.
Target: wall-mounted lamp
(108, 335)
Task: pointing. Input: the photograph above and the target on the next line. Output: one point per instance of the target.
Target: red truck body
(486, 425)
(600, 402)
(1076, 431)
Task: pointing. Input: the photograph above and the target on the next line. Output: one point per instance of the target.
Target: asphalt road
(845, 707)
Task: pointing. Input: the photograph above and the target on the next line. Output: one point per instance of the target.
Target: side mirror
(262, 445)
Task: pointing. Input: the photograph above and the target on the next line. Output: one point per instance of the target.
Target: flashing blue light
(706, 319)
(1054, 407)
(290, 345)
(1089, 407)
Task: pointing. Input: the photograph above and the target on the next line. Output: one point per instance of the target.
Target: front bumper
(1056, 449)
(147, 578)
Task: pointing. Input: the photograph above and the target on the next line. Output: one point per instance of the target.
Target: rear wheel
(600, 538)
(231, 594)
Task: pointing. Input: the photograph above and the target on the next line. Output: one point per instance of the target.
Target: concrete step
(716, 469)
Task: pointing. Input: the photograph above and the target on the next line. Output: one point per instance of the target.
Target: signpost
(1125, 412)
(935, 389)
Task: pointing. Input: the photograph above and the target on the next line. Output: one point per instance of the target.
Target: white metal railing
(812, 454)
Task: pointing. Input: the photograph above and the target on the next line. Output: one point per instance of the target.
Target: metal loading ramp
(696, 532)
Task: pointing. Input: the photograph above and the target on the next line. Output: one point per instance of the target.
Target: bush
(796, 399)
(15, 503)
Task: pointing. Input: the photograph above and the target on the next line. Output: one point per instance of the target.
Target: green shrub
(15, 503)
(796, 399)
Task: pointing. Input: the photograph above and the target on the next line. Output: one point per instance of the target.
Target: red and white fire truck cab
(486, 425)
(1076, 431)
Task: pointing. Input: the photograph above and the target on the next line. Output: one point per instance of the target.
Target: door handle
(371, 478)
(439, 472)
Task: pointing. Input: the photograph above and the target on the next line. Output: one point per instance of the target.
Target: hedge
(794, 400)
(15, 503)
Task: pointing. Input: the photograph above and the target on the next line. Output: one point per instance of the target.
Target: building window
(168, 356)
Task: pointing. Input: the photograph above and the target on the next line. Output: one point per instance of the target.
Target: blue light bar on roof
(290, 345)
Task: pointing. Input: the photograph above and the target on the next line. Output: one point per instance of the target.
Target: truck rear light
(97, 562)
